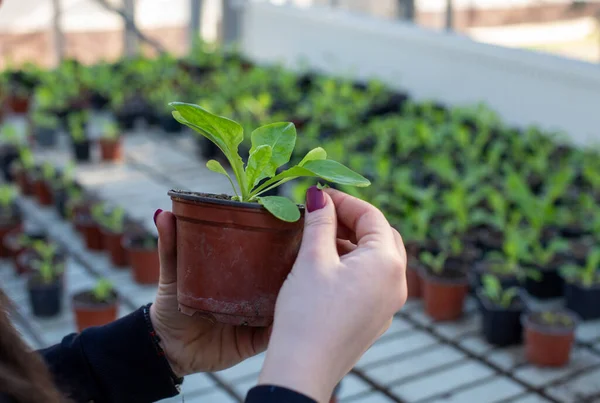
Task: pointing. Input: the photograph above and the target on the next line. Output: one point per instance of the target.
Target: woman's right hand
(348, 281)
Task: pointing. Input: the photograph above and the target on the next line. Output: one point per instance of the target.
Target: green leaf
(281, 137)
(216, 166)
(314, 154)
(335, 172)
(225, 133)
(281, 207)
(258, 162)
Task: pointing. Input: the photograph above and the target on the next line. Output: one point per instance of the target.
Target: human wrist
(292, 368)
(165, 343)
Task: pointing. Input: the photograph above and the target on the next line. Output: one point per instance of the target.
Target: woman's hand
(192, 344)
(347, 283)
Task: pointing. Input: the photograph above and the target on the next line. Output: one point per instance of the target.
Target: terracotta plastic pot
(545, 345)
(91, 232)
(23, 182)
(113, 243)
(15, 249)
(144, 262)
(232, 257)
(42, 192)
(414, 282)
(444, 295)
(18, 104)
(89, 313)
(111, 150)
(4, 231)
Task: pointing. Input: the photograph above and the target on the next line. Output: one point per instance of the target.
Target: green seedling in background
(111, 131)
(272, 147)
(113, 219)
(434, 262)
(103, 291)
(8, 195)
(493, 290)
(589, 274)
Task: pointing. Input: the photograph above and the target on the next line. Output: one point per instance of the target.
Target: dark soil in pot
(143, 257)
(444, 294)
(237, 281)
(501, 326)
(584, 301)
(113, 243)
(89, 312)
(551, 284)
(548, 345)
(42, 192)
(111, 149)
(45, 299)
(82, 150)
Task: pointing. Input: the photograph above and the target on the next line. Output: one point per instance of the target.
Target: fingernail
(315, 199)
(156, 213)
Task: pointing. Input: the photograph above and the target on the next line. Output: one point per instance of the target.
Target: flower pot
(60, 198)
(413, 282)
(545, 345)
(45, 136)
(482, 268)
(6, 229)
(90, 231)
(10, 242)
(169, 125)
(236, 281)
(444, 294)
(9, 155)
(501, 326)
(45, 299)
(18, 104)
(551, 284)
(81, 150)
(144, 260)
(42, 192)
(113, 244)
(584, 301)
(23, 182)
(111, 150)
(88, 312)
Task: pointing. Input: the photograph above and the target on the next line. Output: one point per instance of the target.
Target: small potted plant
(549, 337)
(546, 259)
(266, 230)
(95, 307)
(61, 188)
(18, 242)
(45, 125)
(111, 145)
(501, 310)
(10, 216)
(142, 250)
(77, 129)
(86, 223)
(42, 184)
(23, 169)
(444, 287)
(9, 150)
(112, 226)
(45, 283)
(582, 288)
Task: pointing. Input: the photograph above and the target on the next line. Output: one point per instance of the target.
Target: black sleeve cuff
(275, 394)
(114, 363)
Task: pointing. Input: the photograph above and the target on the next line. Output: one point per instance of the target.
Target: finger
(399, 244)
(320, 227)
(344, 233)
(344, 247)
(167, 246)
(366, 221)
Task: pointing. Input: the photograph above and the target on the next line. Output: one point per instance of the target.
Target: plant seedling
(113, 219)
(8, 195)
(589, 274)
(103, 290)
(44, 261)
(552, 318)
(48, 172)
(76, 124)
(434, 262)
(272, 147)
(26, 158)
(111, 131)
(493, 290)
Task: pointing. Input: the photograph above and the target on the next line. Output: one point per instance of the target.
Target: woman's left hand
(194, 344)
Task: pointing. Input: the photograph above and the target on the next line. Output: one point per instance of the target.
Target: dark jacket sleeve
(114, 363)
(275, 394)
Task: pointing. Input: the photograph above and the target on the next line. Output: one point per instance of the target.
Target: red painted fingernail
(315, 199)
(156, 213)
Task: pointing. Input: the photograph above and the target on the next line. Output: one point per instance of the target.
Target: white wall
(524, 87)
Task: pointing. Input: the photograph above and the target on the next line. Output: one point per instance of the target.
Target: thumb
(320, 227)
(167, 246)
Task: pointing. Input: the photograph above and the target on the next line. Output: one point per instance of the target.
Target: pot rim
(426, 275)
(195, 197)
(91, 306)
(126, 243)
(581, 287)
(519, 307)
(551, 330)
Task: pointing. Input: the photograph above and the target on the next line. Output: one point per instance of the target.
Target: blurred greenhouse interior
(475, 121)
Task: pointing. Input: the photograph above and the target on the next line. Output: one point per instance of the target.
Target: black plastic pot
(481, 268)
(501, 326)
(45, 137)
(60, 201)
(7, 157)
(45, 299)
(551, 285)
(126, 120)
(584, 301)
(98, 101)
(82, 150)
(206, 148)
(169, 125)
